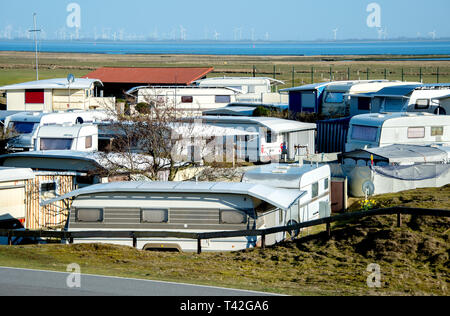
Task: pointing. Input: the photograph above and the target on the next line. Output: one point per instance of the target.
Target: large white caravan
(383, 129)
(193, 207)
(315, 180)
(253, 89)
(76, 137)
(27, 125)
(430, 98)
(189, 99)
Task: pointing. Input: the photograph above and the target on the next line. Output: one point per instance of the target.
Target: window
(233, 217)
(155, 216)
(269, 137)
(364, 104)
(326, 184)
(437, 131)
(88, 142)
(23, 127)
(89, 215)
(48, 190)
(422, 104)
(34, 96)
(315, 190)
(364, 133)
(416, 132)
(187, 99)
(334, 97)
(56, 143)
(223, 99)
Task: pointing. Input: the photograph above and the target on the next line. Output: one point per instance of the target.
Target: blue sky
(230, 19)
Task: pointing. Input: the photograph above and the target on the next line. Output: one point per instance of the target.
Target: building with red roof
(116, 80)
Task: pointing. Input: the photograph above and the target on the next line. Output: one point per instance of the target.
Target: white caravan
(315, 180)
(384, 129)
(253, 89)
(189, 99)
(76, 137)
(190, 207)
(430, 98)
(27, 125)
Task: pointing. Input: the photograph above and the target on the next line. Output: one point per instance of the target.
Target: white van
(27, 125)
(76, 137)
(384, 129)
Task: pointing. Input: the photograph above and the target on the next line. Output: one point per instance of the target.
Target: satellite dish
(368, 188)
(70, 78)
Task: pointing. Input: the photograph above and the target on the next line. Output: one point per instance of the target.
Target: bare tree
(145, 143)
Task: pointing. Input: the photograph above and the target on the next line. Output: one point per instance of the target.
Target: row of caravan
(350, 98)
(271, 196)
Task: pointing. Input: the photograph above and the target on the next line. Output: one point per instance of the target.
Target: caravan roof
(280, 198)
(399, 119)
(399, 91)
(276, 125)
(401, 153)
(242, 80)
(15, 174)
(282, 176)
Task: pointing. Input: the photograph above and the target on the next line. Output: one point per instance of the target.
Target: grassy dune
(414, 259)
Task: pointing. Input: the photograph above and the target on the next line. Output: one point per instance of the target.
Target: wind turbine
(433, 35)
(182, 33)
(216, 35)
(335, 31)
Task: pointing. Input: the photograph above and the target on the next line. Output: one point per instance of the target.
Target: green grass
(414, 259)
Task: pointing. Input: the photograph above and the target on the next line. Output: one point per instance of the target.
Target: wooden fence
(135, 235)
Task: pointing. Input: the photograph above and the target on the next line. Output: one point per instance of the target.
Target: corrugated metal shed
(151, 76)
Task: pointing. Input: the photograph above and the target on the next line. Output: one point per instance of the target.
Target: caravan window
(364, 104)
(422, 104)
(223, 99)
(56, 143)
(326, 184)
(88, 142)
(89, 215)
(315, 190)
(187, 99)
(416, 132)
(334, 97)
(22, 127)
(48, 190)
(233, 217)
(364, 133)
(437, 131)
(155, 216)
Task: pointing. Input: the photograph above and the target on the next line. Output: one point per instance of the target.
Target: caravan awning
(280, 198)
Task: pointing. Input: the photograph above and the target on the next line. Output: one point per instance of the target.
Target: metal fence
(135, 235)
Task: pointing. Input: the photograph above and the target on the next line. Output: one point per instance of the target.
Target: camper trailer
(315, 180)
(179, 207)
(189, 99)
(395, 168)
(383, 129)
(431, 99)
(76, 137)
(276, 137)
(27, 125)
(253, 89)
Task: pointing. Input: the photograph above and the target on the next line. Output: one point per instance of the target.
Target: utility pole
(35, 31)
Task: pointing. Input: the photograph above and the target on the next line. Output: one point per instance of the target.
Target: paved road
(20, 282)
